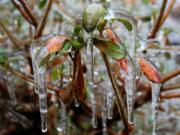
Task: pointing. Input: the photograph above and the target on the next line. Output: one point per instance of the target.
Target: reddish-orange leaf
(111, 35)
(56, 43)
(149, 70)
(79, 81)
(123, 64)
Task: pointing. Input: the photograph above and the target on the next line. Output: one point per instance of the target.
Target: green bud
(92, 15)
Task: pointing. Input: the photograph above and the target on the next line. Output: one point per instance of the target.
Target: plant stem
(43, 21)
(120, 102)
(157, 24)
(167, 12)
(29, 12)
(171, 86)
(170, 75)
(28, 78)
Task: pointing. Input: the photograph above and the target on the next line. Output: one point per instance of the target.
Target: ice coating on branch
(90, 77)
(110, 99)
(104, 112)
(130, 75)
(11, 87)
(155, 95)
(91, 88)
(62, 119)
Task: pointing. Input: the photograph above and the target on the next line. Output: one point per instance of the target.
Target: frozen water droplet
(76, 102)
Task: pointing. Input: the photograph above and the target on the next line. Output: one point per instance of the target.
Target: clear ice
(130, 77)
(38, 53)
(90, 77)
(155, 95)
(62, 119)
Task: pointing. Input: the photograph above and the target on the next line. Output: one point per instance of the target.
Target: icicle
(90, 77)
(62, 121)
(130, 77)
(37, 54)
(34, 49)
(42, 98)
(104, 113)
(155, 95)
(110, 98)
(93, 103)
(130, 88)
(11, 88)
(50, 44)
(90, 57)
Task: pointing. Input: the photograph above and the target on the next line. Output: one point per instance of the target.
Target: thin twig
(120, 103)
(170, 95)
(167, 12)
(28, 78)
(157, 25)
(43, 21)
(12, 38)
(170, 75)
(171, 87)
(23, 12)
(29, 12)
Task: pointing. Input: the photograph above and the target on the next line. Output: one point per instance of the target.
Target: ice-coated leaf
(110, 48)
(149, 70)
(77, 30)
(92, 15)
(111, 35)
(56, 43)
(101, 25)
(53, 45)
(76, 44)
(125, 22)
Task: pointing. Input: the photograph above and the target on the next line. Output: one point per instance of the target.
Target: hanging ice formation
(104, 113)
(49, 45)
(90, 80)
(110, 99)
(39, 77)
(155, 95)
(62, 119)
(35, 47)
(130, 76)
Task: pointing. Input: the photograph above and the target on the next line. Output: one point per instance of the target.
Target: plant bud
(92, 15)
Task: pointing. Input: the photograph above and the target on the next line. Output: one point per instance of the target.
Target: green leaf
(54, 74)
(101, 25)
(42, 3)
(76, 44)
(110, 48)
(77, 30)
(66, 47)
(126, 23)
(61, 69)
(3, 56)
